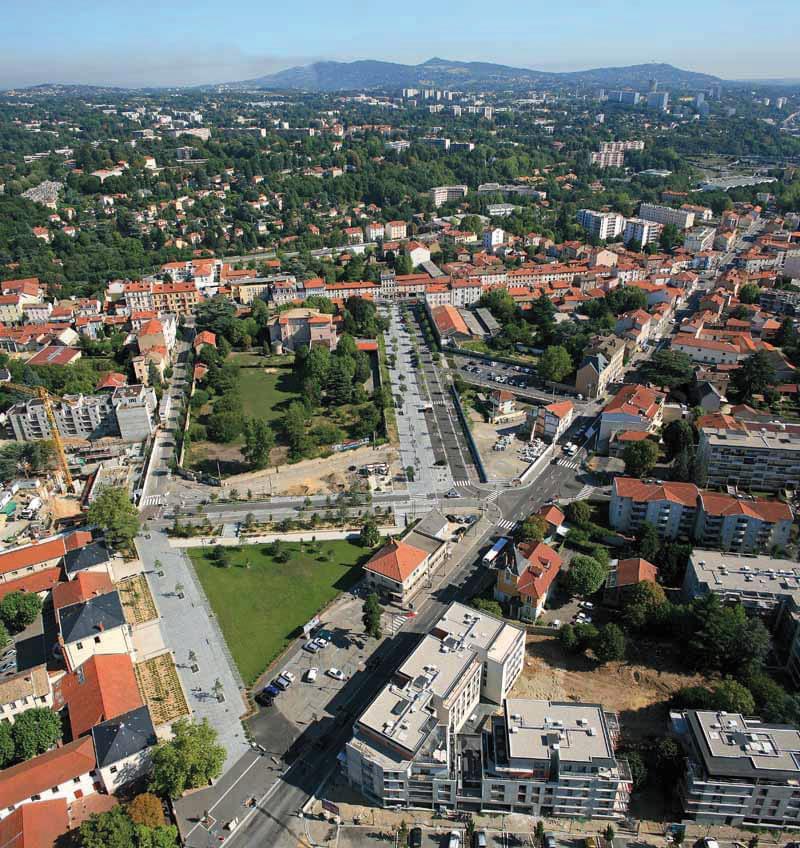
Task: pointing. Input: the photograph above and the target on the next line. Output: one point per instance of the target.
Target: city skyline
(149, 45)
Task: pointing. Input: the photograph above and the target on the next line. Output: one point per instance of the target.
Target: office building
(603, 226)
(739, 771)
(699, 239)
(658, 100)
(683, 219)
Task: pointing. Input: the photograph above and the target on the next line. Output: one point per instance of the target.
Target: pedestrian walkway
(569, 463)
(153, 500)
(462, 484)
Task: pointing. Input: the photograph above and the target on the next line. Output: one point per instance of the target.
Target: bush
(610, 644)
(579, 513)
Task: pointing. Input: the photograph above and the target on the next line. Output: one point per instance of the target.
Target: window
(54, 789)
(79, 646)
(97, 640)
(113, 769)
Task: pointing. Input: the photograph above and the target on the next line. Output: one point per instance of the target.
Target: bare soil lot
(637, 689)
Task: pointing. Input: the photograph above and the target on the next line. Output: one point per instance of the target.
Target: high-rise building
(601, 225)
(683, 219)
(658, 100)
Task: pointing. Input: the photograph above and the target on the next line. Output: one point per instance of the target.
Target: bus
(495, 551)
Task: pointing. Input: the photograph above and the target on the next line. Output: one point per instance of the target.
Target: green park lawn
(262, 608)
(267, 394)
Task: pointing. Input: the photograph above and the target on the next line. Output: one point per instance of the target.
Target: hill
(444, 73)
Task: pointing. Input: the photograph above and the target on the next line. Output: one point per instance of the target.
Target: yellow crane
(47, 402)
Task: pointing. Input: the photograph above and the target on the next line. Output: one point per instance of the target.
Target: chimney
(101, 626)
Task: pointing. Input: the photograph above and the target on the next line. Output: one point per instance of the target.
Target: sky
(162, 42)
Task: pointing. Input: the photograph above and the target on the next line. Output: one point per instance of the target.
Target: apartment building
(601, 225)
(640, 233)
(407, 748)
(602, 364)
(682, 510)
(699, 238)
(763, 461)
(683, 219)
(739, 771)
(553, 420)
(127, 412)
(447, 194)
(24, 691)
(765, 586)
(395, 230)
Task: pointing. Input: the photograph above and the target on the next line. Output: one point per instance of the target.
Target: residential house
(525, 577)
(553, 420)
(634, 407)
(625, 574)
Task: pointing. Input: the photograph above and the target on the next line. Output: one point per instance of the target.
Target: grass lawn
(261, 609)
(267, 395)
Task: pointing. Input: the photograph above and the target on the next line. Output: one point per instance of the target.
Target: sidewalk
(304, 536)
(187, 625)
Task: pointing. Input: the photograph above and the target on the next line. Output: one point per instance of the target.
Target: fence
(537, 466)
(473, 448)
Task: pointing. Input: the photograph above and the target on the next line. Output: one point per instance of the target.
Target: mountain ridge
(365, 74)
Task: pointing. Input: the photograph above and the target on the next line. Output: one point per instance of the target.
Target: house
(22, 562)
(203, 338)
(625, 573)
(553, 517)
(23, 691)
(103, 688)
(503, 406)
(66, 773)
(553, 420)
(634, 407)
(55, 355)
(123, 746)
(403, 566)
(94, 626)
(526, 577)
(297, 327)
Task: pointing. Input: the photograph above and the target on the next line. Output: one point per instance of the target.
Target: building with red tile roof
(626, 573)
(526, 577)
(103, 688)
(36, 825)
(397, 568)
(206, 337)
(39, 582)
(634, 407)
(22, 561)
(86, 585)
(55, 355)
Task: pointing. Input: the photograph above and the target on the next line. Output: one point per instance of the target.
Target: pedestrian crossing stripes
(493, 496)
(396, 622)
(153, 500)
(507, 524)
(464, 484)
(569, 463)
(584, 492)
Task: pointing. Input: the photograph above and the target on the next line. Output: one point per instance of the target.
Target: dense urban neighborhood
(403, 462)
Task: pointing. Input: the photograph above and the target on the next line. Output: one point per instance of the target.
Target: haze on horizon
(152, 43)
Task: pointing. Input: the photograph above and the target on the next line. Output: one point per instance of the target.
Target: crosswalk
(462, 484)
(584, 492)
(507, 524)
(395, 623)
(153, 500)
(493, 496)
(569, 463)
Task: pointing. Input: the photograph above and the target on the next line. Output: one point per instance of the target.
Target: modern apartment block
(765, 586)
(128, 412)
(601, 225)
(683, 219)
(427, 741)
(640, 233)
(699, 238)
(764, 461)
(447, 194)
(739, 771)
(681, 510)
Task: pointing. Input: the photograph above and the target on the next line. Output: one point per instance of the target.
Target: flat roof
(535, 728)
(762, 440)
(756, 577)
(474, 628)
(733, 746)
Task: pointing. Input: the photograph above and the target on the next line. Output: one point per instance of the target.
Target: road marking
(153, 500)
(507, 524)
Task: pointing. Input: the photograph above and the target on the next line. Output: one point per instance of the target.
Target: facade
(699, 239)
(739, 771)
(601, 225)
(640, 232)
(296, 327)
(524, 578)
(602, 364)
(681, 510)
(24, 691)
(764, 461)
(683, 219)
(447, 194)
(553, 420)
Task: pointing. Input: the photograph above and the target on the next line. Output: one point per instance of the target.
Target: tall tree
(753, 375)
(640, 457)
(258, 443)
(113, 512)
(555, 363)
(192, 758)
(35, 731)
(371, 616)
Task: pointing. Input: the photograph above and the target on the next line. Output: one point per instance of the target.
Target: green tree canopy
(555, 363)
(668, 368)
(584, 576)
(640, 457)
(18, 610)
(610, 644)
(192, 758)
(258, 443)
(113, 512)
(35, 731)
(753, 375)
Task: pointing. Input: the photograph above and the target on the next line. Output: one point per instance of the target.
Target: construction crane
(47, 399)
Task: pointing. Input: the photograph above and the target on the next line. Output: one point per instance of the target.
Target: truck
(491, 555)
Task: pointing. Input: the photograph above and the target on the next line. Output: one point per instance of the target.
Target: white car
(455, 839)
(288, 675)
(312, 647)
(321, 642)
(311, 675)
(586, 605)
(335, 674)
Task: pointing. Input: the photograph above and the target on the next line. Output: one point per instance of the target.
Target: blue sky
(147, 42)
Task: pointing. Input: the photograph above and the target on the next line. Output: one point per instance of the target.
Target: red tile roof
(36, 825)
(103, 688)
(716, 503)
(537, 578)
(86, 585)
(205, 338)
(40, 581)
(551, 514)
(112, 380)
(396, 560)
(635, 570)
(54, 355)
(20, 782)
(635, 400)
(638, 490)
(44, 551)
(560, 409)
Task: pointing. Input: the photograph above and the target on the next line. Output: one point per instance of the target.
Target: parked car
(311, 675)
(312, 647)
(322, 642)
(271, 690)
(335, 673)
(549, 840)
(415, 837)
(454, 840)
(479, 839)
